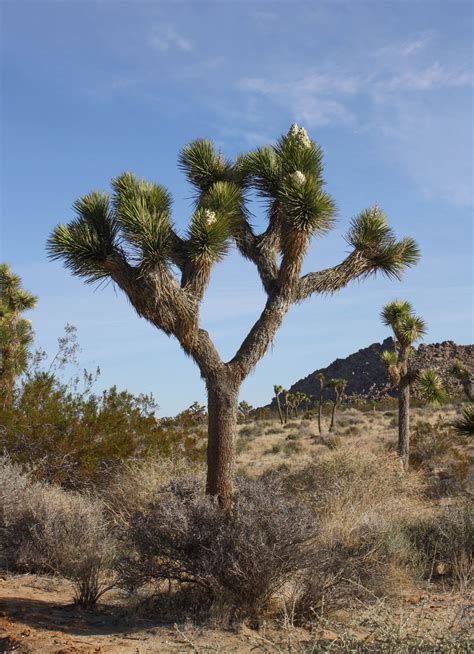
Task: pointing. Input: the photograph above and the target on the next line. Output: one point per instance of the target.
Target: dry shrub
(238, 560)
(362, 503)
(138, 483)
(46, 529)
(437, 449)
(446, 541)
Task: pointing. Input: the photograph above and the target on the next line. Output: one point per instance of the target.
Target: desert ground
(410, 614)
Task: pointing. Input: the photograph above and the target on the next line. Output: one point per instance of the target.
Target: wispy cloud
(168, 38)
(399, 93)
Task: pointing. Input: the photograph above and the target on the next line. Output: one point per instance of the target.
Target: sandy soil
(36, 616)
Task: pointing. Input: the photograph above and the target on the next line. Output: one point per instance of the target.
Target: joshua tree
(459, 370)
(129, 238)
(407, 329)
(245, 408)
(322, 381)
(300, 399)
(16, 334)
(338, 385)
(278, 390)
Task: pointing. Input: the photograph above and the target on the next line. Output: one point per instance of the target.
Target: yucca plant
(278, 390)
(129, 237)
(407, 329)
(16, 333)
(465, 424)
(338, 385)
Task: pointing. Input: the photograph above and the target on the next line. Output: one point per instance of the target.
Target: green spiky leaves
(143, 214)
(465, 424)
(390, 361)
(202, 166)
(308, 209)
(291, 175)
(14, 298)
(371, 235)
(86, 242)
(209, 234)
(407, 327)
(430, 387)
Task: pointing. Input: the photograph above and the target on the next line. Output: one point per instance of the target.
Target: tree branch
(333, 279)
(263, 249)
(260, 336)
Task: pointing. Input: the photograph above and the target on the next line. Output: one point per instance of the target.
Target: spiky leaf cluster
(208, 236)
(465, 424)
(16, 333)
(371, 235)
(430, 387)
(290, 173)
(407, 327)
(203, 167)
(89, 239)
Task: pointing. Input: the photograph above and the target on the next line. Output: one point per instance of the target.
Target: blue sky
(93, 88)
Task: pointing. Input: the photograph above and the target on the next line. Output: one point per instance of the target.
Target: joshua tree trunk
(404, 422)
(333, 414)
(222, 426)
(279, 407)
(320, 409)
(468, 389)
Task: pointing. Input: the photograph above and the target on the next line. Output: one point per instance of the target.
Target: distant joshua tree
(16, 333)
(278, 390)
(459, 370)
(407, 329)
(129, 238)
(245, 408)
(322, 382)
(338, 385)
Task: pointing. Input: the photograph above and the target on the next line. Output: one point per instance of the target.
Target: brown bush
(445, 540)
(362, 504)
(239, 560)
(46, 529)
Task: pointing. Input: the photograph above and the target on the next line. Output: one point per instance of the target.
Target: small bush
(362, 504)
(436, 449)
(446, 543)
(239, 560)
(46, 529)
(292, 447)
(241, 445)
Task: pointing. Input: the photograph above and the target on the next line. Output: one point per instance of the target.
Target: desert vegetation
(129, 239)
(294, 521)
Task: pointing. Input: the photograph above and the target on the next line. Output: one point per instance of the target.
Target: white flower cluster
(300, 135)
(298, 177)
(210, 216)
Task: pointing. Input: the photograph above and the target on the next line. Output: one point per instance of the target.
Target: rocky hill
(365, 373)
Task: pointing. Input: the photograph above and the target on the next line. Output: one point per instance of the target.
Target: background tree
(244, 409)
(459, 370)
(278, 390)
(16, 333)
(322, 381)
(129, 238)
(407, 329)
(338, 385)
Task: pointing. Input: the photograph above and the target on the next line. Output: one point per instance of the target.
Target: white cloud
(167, 38)
(414, 107)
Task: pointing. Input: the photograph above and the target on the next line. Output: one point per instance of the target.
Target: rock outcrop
(366, 375)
